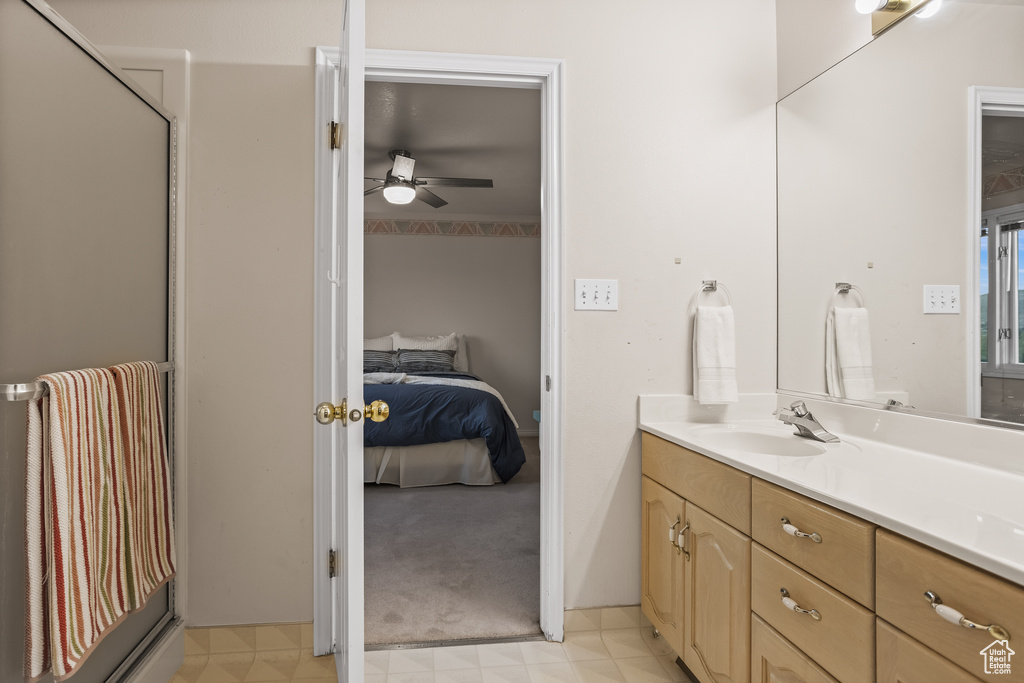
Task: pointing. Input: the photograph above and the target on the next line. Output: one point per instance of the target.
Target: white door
(338, 446)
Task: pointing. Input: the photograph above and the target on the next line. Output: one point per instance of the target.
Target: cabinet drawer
(906, 570)
(721, 490)
(843, 641)
(845, 556)
(901, 659)
(773, 658)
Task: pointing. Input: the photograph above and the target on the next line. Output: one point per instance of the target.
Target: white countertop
(962, 501)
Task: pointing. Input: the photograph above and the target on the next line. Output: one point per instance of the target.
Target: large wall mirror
(880, 186)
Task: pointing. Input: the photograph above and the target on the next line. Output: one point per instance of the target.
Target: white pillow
(450, 342)
(378, 344)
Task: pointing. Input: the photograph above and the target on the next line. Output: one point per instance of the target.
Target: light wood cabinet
(696, 591)
(661, 561)
(700, 591)
(906, 570)
(717, 601)
(773, 659)
(901, 659)
(721, 490)
(841, 552)
(841, 639)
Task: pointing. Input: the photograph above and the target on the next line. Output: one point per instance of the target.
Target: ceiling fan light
(399, 193)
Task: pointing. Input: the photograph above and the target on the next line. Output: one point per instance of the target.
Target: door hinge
(332, 563)
(547, 382)
(334, 141)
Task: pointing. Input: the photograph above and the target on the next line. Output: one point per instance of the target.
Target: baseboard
(163, 657)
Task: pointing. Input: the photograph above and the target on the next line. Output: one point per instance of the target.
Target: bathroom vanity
(766, 556)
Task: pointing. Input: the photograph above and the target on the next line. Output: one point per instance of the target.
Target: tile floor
(601, 646)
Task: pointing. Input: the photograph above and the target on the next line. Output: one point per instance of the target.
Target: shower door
(85, 228)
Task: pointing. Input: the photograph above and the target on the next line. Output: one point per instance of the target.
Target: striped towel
(99, 537)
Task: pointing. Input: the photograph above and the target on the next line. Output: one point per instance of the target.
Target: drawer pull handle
(790, 604)
(954, 617)
(672, 536)
(793, 531)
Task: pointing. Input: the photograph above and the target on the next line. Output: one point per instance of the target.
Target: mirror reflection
(883, 188)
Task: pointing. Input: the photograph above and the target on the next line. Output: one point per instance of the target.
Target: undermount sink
(780, 441)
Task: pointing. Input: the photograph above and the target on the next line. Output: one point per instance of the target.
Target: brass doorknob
(377, 411)
(327, 412)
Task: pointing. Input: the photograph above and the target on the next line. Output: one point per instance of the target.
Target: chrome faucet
(806, 426)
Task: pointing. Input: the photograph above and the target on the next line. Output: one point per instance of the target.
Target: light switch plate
(597, 295)
(941, 299)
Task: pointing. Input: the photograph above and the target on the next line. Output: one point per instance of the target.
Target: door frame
(546, 75)
(980, 99)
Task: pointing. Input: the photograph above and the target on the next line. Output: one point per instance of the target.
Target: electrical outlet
(941, 299)
(597, 295)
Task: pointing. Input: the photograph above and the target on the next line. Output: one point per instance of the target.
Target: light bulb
(929, 10)
(399, 193)
(869, 6)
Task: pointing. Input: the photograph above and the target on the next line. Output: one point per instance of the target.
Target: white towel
(848, 367)
(714, 355)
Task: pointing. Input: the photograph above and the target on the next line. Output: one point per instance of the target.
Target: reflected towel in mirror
(848, 368)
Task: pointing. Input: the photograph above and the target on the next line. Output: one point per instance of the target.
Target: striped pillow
(379, 361)
(426, 360)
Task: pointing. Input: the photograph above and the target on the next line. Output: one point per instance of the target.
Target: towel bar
(714, 286)
(33, 390)
(846, 288)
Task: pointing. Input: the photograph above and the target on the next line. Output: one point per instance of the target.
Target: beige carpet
(454, 562)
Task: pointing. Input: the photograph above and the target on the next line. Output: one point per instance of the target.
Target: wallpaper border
(450, 228)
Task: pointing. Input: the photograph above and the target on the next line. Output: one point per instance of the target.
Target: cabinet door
(901, 659)
(717, 600)
(661, 563)
(773, 659)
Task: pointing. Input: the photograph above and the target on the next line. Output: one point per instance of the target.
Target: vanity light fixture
(929, 10)
(400, 192)
(869, 6)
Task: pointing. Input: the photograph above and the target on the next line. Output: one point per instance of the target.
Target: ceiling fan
(400, 186)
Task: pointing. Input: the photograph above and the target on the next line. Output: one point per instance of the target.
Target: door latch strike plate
(332, 563)
(335, 135)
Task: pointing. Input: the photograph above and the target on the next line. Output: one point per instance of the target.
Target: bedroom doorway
(451, 554)
(546, 76)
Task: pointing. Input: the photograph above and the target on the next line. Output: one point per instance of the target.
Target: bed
(446, 425)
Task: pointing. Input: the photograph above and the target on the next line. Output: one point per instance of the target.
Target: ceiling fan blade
(429, 197)
(373, 189)
(376, 180)
(456, 182)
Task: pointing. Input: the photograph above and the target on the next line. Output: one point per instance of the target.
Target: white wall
(693, 84)
(487, 288)
(813, 35)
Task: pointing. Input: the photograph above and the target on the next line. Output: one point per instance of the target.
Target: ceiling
(456, 131)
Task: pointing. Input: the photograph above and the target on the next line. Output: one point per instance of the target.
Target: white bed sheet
(452, 462)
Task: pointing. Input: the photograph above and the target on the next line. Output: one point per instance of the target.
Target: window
(1002, 292)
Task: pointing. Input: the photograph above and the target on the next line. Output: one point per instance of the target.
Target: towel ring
(845, 288)
(714, 286)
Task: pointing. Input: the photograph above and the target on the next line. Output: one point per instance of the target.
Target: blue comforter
(425, 413)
